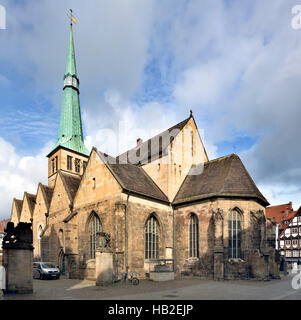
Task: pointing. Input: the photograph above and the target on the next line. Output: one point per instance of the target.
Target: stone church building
(163, 199)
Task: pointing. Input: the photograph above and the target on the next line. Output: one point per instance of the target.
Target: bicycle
(130, 276)
(133, 280)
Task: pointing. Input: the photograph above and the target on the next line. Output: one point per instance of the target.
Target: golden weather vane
(71, 17)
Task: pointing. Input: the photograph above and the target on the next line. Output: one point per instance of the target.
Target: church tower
(70, 153)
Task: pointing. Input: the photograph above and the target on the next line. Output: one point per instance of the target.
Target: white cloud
(236, 64)
(19, 174)
(130, 123)
(277, 194)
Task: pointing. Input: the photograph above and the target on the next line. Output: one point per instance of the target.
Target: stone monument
(17, 258)
(104, 259)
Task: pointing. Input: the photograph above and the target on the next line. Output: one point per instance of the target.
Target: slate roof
(3, 223)
(153, 148)
(48, 194)
(288, 218)
(31, 200)
(71, 182)
(221, 177)
(19, 204)
(133, 178)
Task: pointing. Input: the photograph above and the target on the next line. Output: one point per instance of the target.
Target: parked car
(45, 270)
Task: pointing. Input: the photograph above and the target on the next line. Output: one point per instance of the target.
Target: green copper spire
(71, 64)
(71, 132)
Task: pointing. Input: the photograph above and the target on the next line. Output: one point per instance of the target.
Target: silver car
(45, 270)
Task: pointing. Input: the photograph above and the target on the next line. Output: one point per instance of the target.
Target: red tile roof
(1, 228)
(289, 217)
(3, 224)
(280, 212)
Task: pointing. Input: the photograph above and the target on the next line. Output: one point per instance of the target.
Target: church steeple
(71, 64)
(71, 132)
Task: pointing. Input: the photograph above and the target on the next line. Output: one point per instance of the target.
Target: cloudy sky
(143, 64)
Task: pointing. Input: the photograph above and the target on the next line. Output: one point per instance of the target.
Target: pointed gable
(71, 183)
(29, 201)
(64, 191)
(48, 191)
(222, 177)
(16, 211)
(132, 178)
(97, 182)
(43, 199)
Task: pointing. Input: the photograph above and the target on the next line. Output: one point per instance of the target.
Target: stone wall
(26, 213)
(14, 214)
(257, 257)
(19, 274)
(39, 224)
(18, 258)
(62, 154)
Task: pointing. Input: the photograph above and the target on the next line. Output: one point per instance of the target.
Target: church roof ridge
(156, 145)
(222, 158)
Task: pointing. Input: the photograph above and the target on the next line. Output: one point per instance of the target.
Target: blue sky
(236, 64)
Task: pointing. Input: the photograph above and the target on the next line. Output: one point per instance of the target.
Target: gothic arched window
(234, 227)
(193, 236)
(95, 226)
(151, 238)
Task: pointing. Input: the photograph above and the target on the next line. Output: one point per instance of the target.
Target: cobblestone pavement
(186, 289)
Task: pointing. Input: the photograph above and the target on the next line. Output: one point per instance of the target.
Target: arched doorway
(39, 246)
(62, 263)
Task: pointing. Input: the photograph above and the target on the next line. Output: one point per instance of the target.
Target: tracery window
(95, 226)
(234, 228)
(151, 238)
(193, 236)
